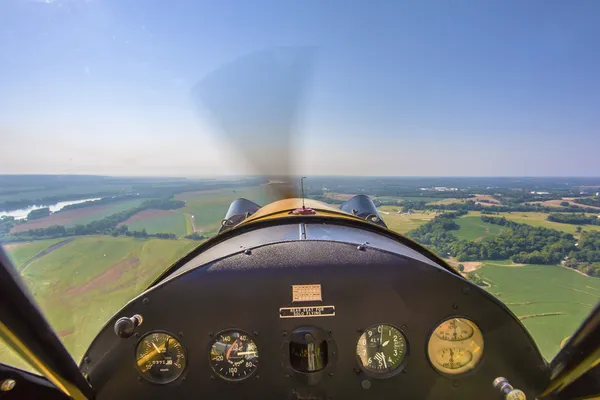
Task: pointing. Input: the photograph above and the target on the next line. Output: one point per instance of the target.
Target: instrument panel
(381, 324)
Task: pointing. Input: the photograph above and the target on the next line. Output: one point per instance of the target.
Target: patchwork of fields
(538, 219)
(80, 282)
(77, 216)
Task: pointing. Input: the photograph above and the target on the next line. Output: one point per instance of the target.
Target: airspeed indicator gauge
(233, 355)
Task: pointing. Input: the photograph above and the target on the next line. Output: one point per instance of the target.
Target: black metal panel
(28, 386)
(245, 291)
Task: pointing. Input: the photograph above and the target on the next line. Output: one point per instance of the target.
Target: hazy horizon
(430, 88)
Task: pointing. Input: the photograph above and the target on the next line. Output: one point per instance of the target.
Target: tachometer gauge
(381, 350)
(160, 357)
(455, 346)
(234, 355)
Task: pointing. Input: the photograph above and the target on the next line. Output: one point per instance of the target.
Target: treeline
(470, 205)
(575, 219)
(520, 242)
(587, 257)
(39, 213)
(104, 226)
(99, 202)
(589, 201)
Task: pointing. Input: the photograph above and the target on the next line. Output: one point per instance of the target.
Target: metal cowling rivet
(7, 385)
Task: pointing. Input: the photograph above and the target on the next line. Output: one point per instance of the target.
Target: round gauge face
(160, 357)
(455, 346)
(234, 355)
(381, 350)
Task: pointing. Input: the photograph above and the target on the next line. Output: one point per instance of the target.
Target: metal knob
(125, 326)
(509, 392)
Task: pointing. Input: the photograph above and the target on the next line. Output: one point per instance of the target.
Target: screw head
(247, 252)
(146, 300)
(7, 385)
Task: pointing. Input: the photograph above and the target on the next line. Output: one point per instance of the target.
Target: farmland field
(209, 206)
(539, 219)
(158, 221)
(472, 228)
(403, 223)
(81, 216)
(543, 289)
(83, 283)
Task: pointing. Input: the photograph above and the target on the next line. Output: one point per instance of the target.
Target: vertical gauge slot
(308, 357)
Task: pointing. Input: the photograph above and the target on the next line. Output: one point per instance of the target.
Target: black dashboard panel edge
(367, 287)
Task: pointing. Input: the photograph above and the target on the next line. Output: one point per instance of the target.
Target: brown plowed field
(145, 215)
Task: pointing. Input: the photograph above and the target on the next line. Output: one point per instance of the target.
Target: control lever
(509, 392)
(125, 326)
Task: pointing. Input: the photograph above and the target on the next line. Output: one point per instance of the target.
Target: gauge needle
(383, 358)
(245, 353)
(385, 343)
(381, 335)
(155, 347)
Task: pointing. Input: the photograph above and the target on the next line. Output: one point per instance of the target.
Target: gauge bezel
(462, 374)
(384, 375)
(212, 368)
(176, 337)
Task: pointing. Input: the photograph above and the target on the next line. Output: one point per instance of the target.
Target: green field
(472, 228)
(83, 283)
(174, 222)
(209, 207)
(543, 289)
(539, 219)
(403, 223)
(19, 253)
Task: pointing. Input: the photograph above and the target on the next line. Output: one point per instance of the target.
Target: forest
(521, 243)
(575, 219)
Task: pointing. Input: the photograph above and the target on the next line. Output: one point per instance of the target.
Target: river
(22, 213)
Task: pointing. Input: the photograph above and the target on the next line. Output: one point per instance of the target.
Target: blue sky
(399, 88)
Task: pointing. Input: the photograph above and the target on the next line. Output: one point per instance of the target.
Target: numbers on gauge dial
(381, 349)
(160, 357)
(454, 330)
(454, 358)
(234, 355)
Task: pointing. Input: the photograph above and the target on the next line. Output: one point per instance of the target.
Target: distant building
(542, 193)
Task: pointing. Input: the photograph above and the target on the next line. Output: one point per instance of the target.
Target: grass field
(543, 289)
(19, 253)
(472, 228)
(83, 283)
(209, 207)
(165, 222)
(539, 219)
(403, 223)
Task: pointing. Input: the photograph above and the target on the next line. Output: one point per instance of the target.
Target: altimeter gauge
(381, 350)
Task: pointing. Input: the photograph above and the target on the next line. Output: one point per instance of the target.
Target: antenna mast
(302, 186)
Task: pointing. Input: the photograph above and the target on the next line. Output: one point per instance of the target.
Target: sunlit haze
(398, 88)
